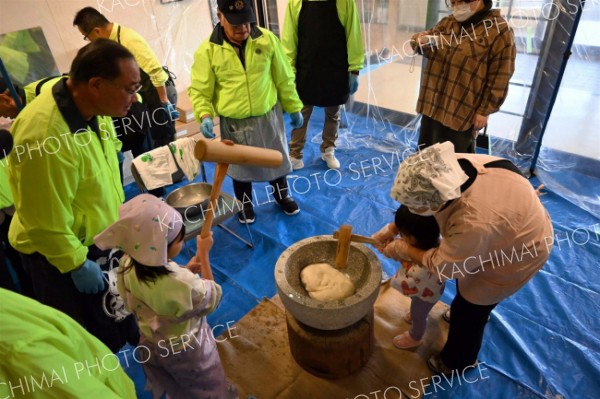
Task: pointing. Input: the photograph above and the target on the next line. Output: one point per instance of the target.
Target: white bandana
(429, 178)
(145, 227)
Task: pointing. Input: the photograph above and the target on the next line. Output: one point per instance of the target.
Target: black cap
(237, 12)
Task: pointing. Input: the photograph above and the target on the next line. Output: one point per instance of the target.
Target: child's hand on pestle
(194, 266)
(397, 249)
(385, 236)
(203, 246)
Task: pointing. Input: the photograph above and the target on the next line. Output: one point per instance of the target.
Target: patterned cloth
(145, 227)
(414, 280)
(429, 178)
(468, 71)
(183, 151)
(156, 167)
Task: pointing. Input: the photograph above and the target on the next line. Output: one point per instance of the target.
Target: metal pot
(190, 200)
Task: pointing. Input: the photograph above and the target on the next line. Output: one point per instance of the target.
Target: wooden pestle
(343, 247)
(357, 238)
(225, 153)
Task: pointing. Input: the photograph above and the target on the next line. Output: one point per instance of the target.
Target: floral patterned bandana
(429, 178)
(145, 227)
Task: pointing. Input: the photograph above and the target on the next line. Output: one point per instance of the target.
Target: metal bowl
(191, 199)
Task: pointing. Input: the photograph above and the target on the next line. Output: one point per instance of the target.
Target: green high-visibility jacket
(142, 52)
(31, 92)
(348, 15)
(66, 186)
(6, 198)
(222, 85)
(46, 354)
(34, 89)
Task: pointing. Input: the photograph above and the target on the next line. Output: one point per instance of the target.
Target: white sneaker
(329, 157)
(296, 163)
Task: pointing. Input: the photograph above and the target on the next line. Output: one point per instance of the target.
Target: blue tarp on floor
(543, 342)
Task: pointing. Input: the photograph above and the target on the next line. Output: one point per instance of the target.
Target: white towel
(156, 167)
(184, 155)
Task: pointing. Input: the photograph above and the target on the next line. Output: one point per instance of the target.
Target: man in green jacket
(64, 177)
(241, 74)
(157, 110)
(323, 42)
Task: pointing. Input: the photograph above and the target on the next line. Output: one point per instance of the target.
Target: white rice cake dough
(325, 283)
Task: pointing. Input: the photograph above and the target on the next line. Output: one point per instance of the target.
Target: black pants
(134, 130)
(243, 190)
(58, 291)
(467, 323)
(432, 132)
(8, 253)
(162, 127)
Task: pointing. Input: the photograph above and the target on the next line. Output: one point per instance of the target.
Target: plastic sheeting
(389, 84)
(548, 123)
(542, 342)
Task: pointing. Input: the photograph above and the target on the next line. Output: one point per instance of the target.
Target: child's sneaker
(405, 341)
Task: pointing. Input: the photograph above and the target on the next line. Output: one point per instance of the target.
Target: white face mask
(462, 12)
(428, 212)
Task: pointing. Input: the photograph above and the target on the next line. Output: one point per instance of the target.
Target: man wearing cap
(158, 92)
(496, 236)
(323, 43)
(64, 178)
(241, 74)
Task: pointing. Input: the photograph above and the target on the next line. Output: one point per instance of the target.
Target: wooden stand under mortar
(333, 353)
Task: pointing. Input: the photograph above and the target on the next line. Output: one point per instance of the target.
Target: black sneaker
(289, 206)
(436, 365)
(246, 216)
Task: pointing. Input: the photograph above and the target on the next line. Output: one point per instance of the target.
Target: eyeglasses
(85, 37)
(130, 91)
(458, 2)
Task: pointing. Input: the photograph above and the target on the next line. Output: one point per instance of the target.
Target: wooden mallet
(225, 153)
(343, 247)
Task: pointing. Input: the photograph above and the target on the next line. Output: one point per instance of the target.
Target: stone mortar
(364, 269)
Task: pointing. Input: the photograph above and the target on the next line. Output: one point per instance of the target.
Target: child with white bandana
(412, 279)
(169, 302)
